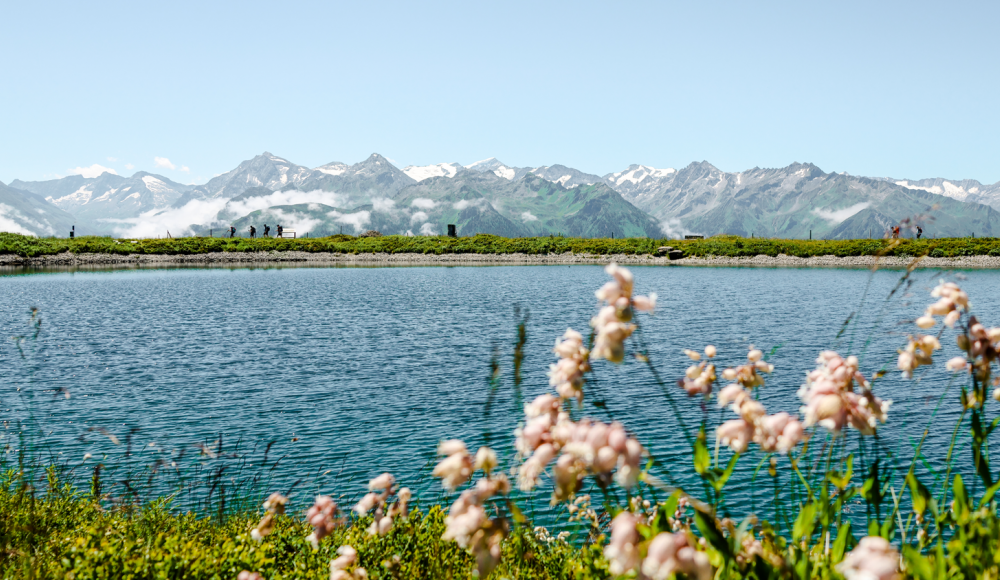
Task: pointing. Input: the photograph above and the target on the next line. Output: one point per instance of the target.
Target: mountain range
(489, 196)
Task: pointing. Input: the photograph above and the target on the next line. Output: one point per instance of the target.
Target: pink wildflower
(669, 554)
(348, 556)
(611, 322)
(873, 559)
(830, 399)
(567, 375)
(456, 468)
(323, 517)
(622, 551)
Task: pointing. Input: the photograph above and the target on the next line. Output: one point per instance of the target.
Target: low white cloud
(423, 203)
(15, 222)
(466, 203)
(418, 217)
(300, 223)
(185, 169)
(358, 219)
(672, 228)
(94, 170)
(529, 217)
(163, 162)
(177, 221)
(112, 159)
(383, 204)
(242, 207)
(837, 216)
(129, 166)
(428, 230)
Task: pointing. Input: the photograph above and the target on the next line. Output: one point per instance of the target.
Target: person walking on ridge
(253, 232)
(267, 230)
(280, 230)
(920, 232)
(232, 231)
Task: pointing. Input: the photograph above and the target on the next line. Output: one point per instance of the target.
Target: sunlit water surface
(352, 372)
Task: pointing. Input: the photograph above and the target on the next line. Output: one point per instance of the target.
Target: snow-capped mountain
(700, 198)
(792, 201)
(638, 180)
(964, 190)
(264, 170)
(374, 176)
(107, 196)
(495, 166)
(422, 172)
(565, 176)
(333, 168)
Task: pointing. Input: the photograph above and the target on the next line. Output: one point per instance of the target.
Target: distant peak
(486, 165)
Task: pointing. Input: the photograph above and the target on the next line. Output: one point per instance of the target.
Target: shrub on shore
(723, 246)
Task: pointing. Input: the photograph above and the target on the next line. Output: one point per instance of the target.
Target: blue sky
(905, 89)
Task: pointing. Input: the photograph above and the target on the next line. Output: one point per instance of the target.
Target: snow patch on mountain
(946, 188)
(494, 166)
(334, 168)
(80, 196)
(420, 173)
(155, 185)
(637, 173)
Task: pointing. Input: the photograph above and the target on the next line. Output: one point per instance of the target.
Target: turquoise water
(351, 372)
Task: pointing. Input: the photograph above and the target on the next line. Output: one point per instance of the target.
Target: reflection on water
(355, 371)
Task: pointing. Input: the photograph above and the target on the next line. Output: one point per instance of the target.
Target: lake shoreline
(456, 259)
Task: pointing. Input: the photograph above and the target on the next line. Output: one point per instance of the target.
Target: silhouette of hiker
(920, 232)
(253, 232)
(895, 232)
(267, 230)
(232, 231)
(280, 230)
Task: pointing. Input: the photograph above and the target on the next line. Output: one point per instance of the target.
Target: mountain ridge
(793, 201)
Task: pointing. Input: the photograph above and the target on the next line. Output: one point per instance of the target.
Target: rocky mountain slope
(791, 201)
(99, 201)
(23, 212)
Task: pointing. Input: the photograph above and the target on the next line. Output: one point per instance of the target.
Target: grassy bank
(65, 534)
(728, 246)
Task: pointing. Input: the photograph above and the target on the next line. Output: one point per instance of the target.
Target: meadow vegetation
(727, 246)
(843, 508)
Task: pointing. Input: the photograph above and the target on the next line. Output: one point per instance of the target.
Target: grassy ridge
(728, 246)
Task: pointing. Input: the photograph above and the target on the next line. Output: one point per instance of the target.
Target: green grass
(727, 246)
(65, 534)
